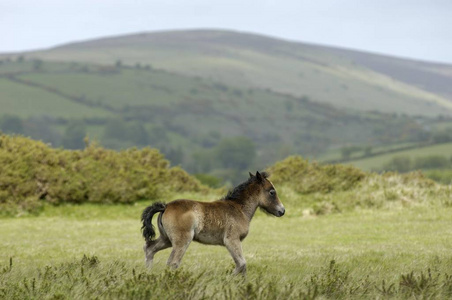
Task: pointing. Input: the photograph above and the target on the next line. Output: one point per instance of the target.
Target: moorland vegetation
(347, 234)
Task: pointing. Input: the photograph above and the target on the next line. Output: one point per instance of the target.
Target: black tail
(146, 217)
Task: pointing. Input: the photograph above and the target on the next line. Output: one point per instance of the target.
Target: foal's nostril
(282, 212)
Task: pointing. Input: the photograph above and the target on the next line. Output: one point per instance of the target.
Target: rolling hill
(343, 78)
(193, 94)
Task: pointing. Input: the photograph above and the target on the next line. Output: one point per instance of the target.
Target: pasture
(377, 161)
(95, 251)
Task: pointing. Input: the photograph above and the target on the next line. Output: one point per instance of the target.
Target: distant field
(117, 89)
(26, 101)
(377, 162)
(365, 254)
(336, 154)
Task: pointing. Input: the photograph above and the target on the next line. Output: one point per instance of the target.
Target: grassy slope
(378, 161)
(26, 101)
(324, 74)
(117, 89)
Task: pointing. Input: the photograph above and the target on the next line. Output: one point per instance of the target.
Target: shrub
(309, 188)
(305, 177)
(32, 173)
(431, 162)
(399, 163)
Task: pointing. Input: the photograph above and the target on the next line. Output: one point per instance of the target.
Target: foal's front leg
(234, 247)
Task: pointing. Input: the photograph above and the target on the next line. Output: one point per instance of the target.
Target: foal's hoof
(240, 271)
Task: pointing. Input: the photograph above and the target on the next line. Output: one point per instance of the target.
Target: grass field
(26, 101)
(93, 251)
(378, 161)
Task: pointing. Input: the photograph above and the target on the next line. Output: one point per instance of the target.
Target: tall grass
(90, 278)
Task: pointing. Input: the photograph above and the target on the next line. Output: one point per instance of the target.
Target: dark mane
(236, 193)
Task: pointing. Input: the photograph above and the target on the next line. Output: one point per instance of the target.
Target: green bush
(313, 189)
(399, 163)
(305, 177)
(209, 180)
(32, 173)
(441, 176)
(432, 162)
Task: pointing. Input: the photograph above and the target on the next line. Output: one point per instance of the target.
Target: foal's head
(266, 195)
(258, 188)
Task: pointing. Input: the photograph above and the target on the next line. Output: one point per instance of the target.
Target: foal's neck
(249, 205)
(246, 196)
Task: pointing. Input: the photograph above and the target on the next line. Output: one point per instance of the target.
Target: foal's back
(206, 222)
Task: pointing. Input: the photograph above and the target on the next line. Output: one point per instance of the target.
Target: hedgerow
(33, 173)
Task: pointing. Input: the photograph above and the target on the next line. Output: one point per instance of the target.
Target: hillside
(186, 117)
(348, 79)
(223, 102)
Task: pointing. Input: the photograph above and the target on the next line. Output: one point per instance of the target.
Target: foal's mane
(236, 193)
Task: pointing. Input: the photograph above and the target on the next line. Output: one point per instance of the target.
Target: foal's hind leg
(153, 247)
(179, 247)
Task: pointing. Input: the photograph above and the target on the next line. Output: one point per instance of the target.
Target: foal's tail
(146, 217)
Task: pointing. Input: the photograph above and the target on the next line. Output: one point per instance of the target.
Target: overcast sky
(409, 28)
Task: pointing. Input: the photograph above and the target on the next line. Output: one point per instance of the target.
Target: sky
(420, 29)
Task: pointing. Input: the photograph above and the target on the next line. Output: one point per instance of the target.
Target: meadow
(95, 251)
(347, 234)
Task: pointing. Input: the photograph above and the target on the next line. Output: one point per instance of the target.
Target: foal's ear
(259, 177)
(251, 175)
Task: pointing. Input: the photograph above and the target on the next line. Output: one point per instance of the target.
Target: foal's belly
(209, 238)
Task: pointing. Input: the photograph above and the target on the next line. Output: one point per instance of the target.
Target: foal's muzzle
(281, 212)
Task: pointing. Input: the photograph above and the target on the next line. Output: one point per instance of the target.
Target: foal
(223, 222)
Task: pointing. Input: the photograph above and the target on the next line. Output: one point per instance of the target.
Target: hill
(218, 101)
(186, 117)
(347, 79)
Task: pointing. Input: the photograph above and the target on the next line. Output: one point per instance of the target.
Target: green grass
(367, 253)
(378, 161)
(26, 101)
(117, 89)
(336, 154)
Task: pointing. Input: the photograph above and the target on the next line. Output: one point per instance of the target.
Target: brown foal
(223, 222)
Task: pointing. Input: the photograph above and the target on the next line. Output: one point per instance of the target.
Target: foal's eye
(272, 192)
